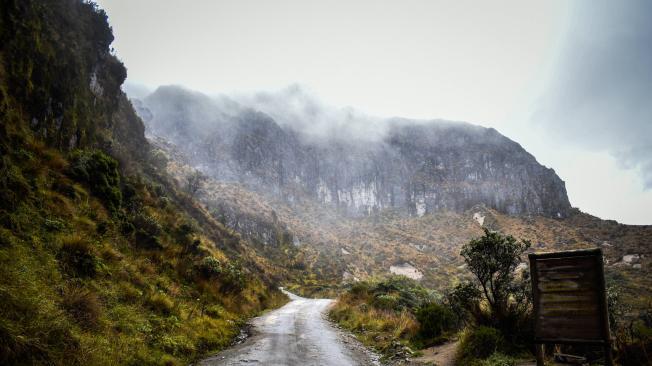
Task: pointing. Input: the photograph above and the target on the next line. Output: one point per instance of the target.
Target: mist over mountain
(290, 145)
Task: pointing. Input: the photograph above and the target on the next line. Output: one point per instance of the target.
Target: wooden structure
(570, 302)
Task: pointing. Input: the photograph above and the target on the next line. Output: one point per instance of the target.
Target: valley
(152, 230)
(323, 245)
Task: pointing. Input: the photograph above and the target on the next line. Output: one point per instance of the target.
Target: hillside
(147, 232)
(103, 259)
(272, 198)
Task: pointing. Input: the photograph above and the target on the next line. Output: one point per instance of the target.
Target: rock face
(413, 167)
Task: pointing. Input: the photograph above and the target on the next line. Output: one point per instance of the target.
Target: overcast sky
(570, 81)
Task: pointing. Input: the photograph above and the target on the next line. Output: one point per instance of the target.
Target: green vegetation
(103, 260)
(391, 315)
(494, 310)
(77, 288)
(100, 172)
(435, 320)
(497, 305)
(479, 343)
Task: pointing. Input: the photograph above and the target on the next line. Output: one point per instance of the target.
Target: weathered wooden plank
(569, 297)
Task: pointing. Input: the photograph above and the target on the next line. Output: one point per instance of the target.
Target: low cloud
(179, 111)
(297, 107)
(600, 94)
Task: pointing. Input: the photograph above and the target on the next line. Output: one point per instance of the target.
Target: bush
(233, 280)
(83, 305)
(100, 172)
(479, 343)
(465, 297)
(147, 223)
(147, 240)
(408, 293)
(77, 257)
(386, 302)
(359, 289)
(209, 267)
(147, 234)
(229, 275)
(434, 320)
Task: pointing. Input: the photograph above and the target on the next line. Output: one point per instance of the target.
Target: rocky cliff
(413, 167)
(103, 260)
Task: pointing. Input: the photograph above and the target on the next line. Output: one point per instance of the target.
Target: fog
(294, 107)
(600, 95)
(569, 81)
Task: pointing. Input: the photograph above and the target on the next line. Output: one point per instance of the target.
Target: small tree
(493, 258)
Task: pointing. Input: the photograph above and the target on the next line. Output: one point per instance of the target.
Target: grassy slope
(383, 328)
(116, 267)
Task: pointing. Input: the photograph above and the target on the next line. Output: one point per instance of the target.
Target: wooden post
(541, 353)
(608, 355)
(606, 329)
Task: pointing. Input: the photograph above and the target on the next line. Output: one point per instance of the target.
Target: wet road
(296, 334)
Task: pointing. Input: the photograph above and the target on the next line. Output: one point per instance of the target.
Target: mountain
(151, 243)
(413, 167)
(348, 196)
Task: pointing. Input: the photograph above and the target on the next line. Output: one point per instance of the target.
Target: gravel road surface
(296, 334)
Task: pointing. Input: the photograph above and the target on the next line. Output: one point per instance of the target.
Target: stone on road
(296, 334)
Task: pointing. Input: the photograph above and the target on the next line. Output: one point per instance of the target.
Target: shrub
(409, 294)
(83, 305)
(634, 341)
(466, 297)
(386, 302)
(147, 223)
(434, 320)
(147, 240)
(100, 172)
(479, 343)
(233, 280)
(209, 267)
(229, 275)
(359, 289)
(77, 257)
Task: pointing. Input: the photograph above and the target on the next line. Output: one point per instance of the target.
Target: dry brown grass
(374, 327)
(83, 305)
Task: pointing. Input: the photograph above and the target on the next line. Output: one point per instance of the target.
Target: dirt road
(296, 334)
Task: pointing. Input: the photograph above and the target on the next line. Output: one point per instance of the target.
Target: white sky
(477, 61)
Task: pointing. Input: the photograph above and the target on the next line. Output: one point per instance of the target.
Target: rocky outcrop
(414, 167)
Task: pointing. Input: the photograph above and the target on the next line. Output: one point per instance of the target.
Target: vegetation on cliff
(103, 259)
